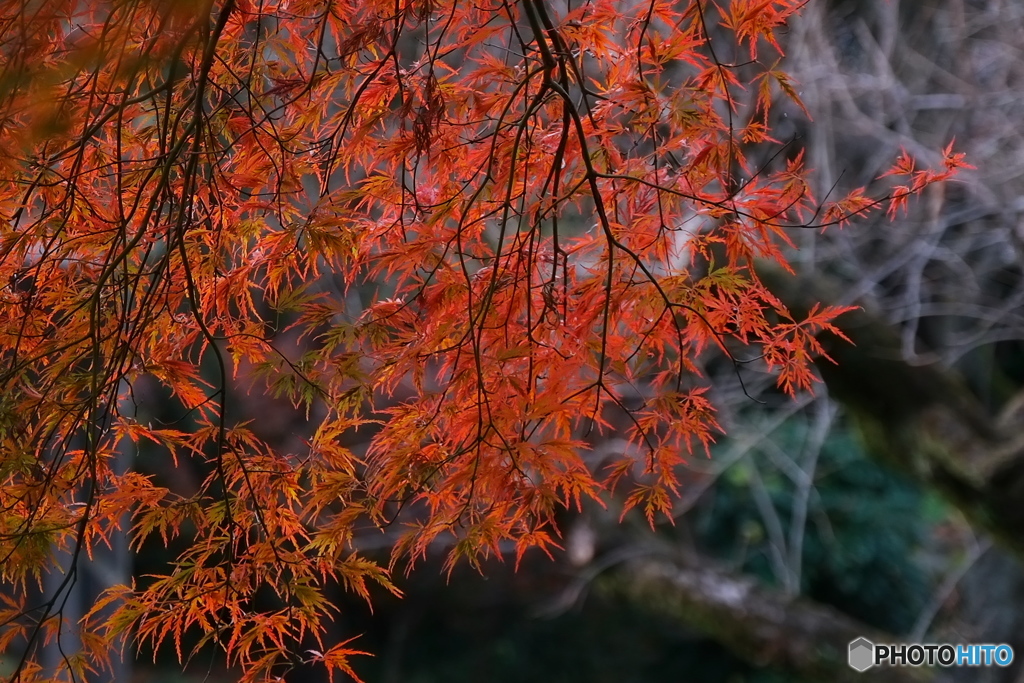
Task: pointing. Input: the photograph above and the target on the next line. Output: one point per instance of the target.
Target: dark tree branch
(920, 419)
(761, 625)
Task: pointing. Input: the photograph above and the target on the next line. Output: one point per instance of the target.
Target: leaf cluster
(493, 227)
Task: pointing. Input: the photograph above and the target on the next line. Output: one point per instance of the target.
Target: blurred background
(889, 504)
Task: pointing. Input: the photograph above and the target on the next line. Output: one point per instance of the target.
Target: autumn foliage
(496, 228)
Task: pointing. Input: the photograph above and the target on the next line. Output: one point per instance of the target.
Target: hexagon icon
(862, 654)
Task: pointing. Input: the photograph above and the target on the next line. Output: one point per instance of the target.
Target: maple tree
(551, 211)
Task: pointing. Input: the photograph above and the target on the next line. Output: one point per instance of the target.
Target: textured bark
(762, 626)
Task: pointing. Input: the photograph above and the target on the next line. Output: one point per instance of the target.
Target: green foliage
(864, 529)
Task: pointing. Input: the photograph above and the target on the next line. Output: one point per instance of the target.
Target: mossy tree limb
(761, 625)
(920, 419)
